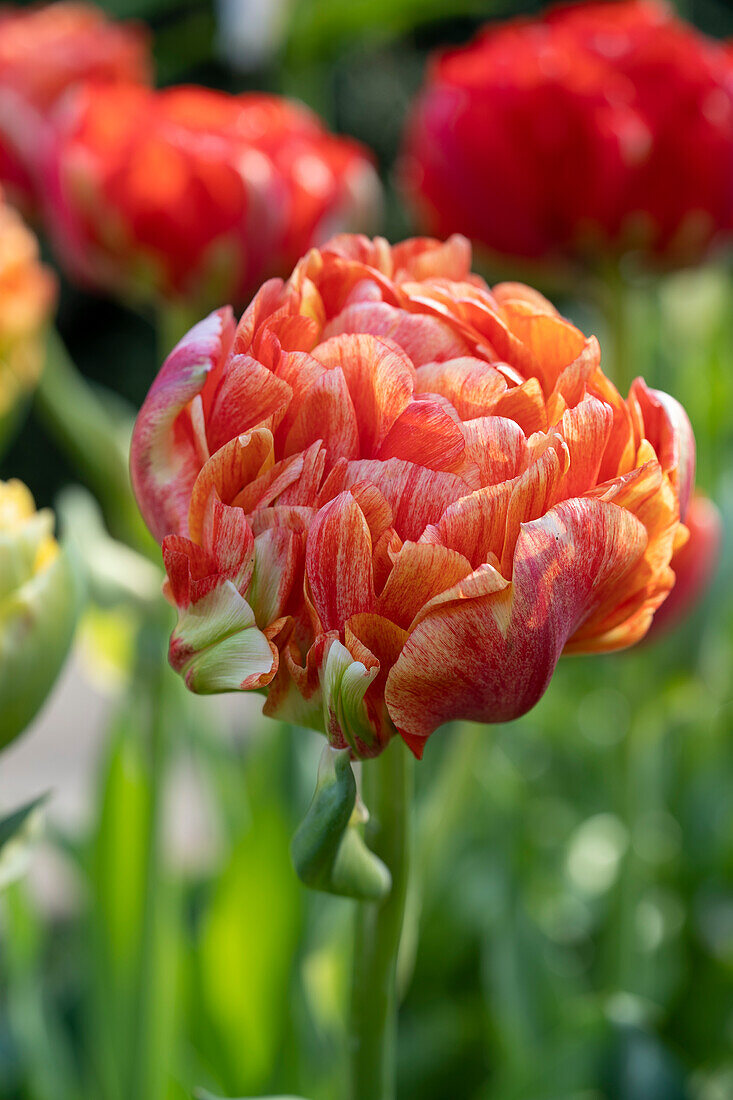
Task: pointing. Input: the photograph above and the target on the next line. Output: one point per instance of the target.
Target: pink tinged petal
(278, 564)
(379, 377)
(325, 412)
(164, 455)
(421, 571)
(472, 386)
(490, 658)
(227, 472)
(427, 435)
(344, 684)
(266, 301)
(248, 395)
(423, 338)
(216, 645)
(339, 562)
(417, 496)
(668, 429)
(498, 447)
(586, 429)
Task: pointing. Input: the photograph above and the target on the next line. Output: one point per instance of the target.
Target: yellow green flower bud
(38, 604)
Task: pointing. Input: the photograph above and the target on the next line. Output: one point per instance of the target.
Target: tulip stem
(618, 316)
(93, 438)
(387, 793)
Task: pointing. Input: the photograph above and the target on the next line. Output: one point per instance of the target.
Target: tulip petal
(472, 386)
(416, 495)
(249, 395)
(425, 434)
(420, 572)
(339, 562)
(668, 429)
(498, 447)
(490, 658)
(164, 459)
(344, 683)
(216, 645)
(422, 338)
(325, 412)
(227, 473)
(380, 378)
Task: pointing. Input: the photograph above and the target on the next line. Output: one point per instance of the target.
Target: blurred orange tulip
(192, 195)
(43, 51)
(393, 497)
(27, 297)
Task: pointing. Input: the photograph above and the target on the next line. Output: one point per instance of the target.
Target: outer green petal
(217, 646)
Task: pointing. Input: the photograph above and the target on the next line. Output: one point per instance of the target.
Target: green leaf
(328, 850)
(17, 831)
(247, 950)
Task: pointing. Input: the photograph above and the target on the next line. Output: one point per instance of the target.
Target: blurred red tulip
(393, 497)
(694, 565)
(193, 195)
(594, 129)
(43, 51)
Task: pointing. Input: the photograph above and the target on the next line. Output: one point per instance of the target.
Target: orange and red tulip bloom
(44, 50)
(589, 131)
(194, 196)
(391, 496)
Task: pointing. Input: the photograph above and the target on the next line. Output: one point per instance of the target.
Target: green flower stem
(94, 440)
(617, 299)
(387, 793)
(172, 322)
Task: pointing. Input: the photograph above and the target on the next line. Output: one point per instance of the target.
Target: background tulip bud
(38, 605)
(44, 50)
(27, 296)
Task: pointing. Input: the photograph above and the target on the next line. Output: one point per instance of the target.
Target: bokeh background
(574, 892)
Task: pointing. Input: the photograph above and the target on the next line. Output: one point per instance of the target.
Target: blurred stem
(86, 431)
(152, 682)
(617, 300)
(172, 322)
(387, 792)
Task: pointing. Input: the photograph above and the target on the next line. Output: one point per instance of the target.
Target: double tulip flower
(391, 496)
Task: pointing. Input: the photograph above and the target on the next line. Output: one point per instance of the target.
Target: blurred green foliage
(574, 894)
